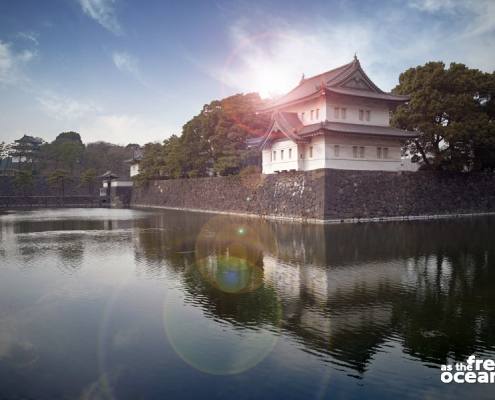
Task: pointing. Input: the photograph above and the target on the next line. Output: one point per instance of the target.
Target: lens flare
(215, 322)
(217, 346)
(229, 253)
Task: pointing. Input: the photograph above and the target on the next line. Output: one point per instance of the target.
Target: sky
(135, 71)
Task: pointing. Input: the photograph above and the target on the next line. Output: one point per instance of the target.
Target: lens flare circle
(211, 345)
(229, 253)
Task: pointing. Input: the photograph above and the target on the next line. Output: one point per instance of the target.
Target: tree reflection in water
(340, 290)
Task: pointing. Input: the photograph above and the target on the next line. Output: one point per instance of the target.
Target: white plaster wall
(121, 183)
(134, 170)
(287, 163)
(379, 115)
(306, 107)
(317, 159)
(323, 154)
(370, 161)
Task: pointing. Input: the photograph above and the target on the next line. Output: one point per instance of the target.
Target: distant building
(134, 162)
(25, 149)
(339, 119)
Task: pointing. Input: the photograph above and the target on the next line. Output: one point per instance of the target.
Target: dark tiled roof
(288, 122)
(368, 94)
(331, 81)
(254, 142)
(29, 139)
(108, 175)
(340, 127)
(310, 86)
(304, 131)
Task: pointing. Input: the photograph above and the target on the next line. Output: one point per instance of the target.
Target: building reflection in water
(343, 290)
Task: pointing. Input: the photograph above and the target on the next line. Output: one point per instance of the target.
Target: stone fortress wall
(328, 195)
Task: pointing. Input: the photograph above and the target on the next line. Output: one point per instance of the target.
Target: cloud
(270, 54)
(64, 108)
(479, 14)
(127, 63)
(12, 63)
(432, 5)
(123, 129)
(29, 36)
(272, 62)
(103, 12)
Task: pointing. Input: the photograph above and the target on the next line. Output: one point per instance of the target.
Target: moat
(127, 304)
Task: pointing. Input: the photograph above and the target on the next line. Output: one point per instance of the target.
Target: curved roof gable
(349, 79)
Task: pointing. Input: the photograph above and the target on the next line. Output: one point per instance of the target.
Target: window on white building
(281, 154)
(378, 152)
(336, 112)
(361, 115)
(302, 116)
(310, 151)
(336, 150)
(343, 112)
(361, 152)
(290, 154)
(274, 156)
(368, 115)
(385, 152)
(317, 114)
(312, 114)
(355, 151)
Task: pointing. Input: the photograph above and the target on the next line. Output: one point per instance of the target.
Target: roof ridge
(303, 81)
(326, 72)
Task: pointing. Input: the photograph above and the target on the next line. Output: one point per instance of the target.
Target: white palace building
(339, 119)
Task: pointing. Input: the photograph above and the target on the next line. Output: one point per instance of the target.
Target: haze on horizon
(126, 71)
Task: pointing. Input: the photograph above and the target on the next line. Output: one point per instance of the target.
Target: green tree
(216, 138)
(66, 150)
(151, 163)
(24, 181)
(173, 157)
(4, 150)
(453, 110)
(88, 177)
(103, 156)
(59, 179)
(214, 141)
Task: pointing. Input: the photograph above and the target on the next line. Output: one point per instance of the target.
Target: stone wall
(294, 194)
(328, 194)
(23, 202)
(375, 194)
(41, 187)
(41, 194)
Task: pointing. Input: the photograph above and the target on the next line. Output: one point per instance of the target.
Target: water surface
(133, 304)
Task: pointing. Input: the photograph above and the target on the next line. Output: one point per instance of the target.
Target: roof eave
(322, 130)
(290, 103)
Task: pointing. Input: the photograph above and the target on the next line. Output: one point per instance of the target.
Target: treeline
(453, 110)
(66, 161)
(212, 143)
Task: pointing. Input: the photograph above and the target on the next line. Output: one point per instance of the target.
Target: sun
(270, 81)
